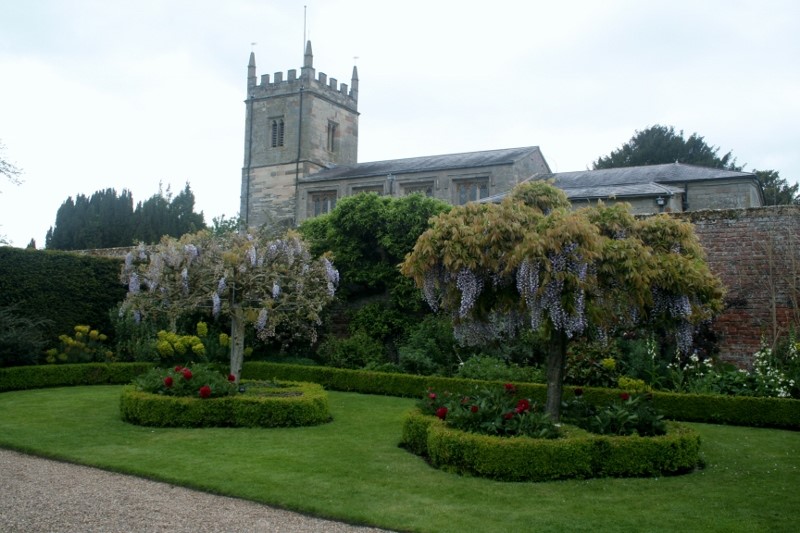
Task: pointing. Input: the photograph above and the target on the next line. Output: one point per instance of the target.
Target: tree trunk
(237, 341)
(556, 366)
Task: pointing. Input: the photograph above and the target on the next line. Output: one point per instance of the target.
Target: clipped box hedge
(578, 454)
(296, 404)
(737, 410)
(38, 377)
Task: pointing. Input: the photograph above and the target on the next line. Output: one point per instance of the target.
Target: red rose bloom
(624, 396)
(231, 377)
(432, 395)
(187, 374)
(474, 408)
(441, 412)
(509, 415)
(168, 381)
(578, 391)
(523, 406)
(205, 391)
(510, 388)
(178, 368)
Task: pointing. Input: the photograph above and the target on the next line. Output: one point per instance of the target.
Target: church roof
(650, 180)
(431, 163)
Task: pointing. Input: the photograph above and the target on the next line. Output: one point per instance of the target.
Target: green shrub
(37, 377)
(497, 410)
(416, 361)
(86, 345)
(430, 348)
(133, 341)
(629, 414)
(21, 339)
(592, 364)
(198, 380)
(356, 351)
(496, 369)
(174, 348)
(262, 405)
(575, 455)
(61, 287)
(747, 411)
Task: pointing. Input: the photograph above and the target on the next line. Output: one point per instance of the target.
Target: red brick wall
(756, 253)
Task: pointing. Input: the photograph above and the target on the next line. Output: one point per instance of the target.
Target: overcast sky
(98, 94)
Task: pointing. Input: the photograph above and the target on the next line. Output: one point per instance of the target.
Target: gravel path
(40, 495)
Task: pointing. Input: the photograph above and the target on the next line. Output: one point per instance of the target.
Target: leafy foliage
(369, 235)
(530, 262)
(661, 144)
(273, 284)
(498, 411)
(777, 190)
(359, 350)
(491, 368)
(58, 290)
(626, 416)
(84, 346)
(22, 339)
(108, 220)
(186, 381)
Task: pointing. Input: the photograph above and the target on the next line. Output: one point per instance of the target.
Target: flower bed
(577, 454)
(263, 404)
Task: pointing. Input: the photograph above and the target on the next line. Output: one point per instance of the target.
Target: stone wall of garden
(756, 253)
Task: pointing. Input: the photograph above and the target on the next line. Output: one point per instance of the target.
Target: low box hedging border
(738, 410)
(297, 404)
(578, 454)
(42, 376)
(718, 409)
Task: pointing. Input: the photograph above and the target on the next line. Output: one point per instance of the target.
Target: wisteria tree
(532, 262)
(253, 279)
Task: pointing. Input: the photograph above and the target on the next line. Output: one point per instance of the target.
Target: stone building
(674, 187)
(301, 156)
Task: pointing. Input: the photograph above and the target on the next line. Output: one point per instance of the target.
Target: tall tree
(661, 144)
(104, 220)
(253, 279)
(108, 220)
(532, 262)
(777, 190)
(370, 235)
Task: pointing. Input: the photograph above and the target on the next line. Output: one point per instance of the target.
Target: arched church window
(277, 132)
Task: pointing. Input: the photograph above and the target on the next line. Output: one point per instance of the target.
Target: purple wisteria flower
(216, 304)
(261, 322)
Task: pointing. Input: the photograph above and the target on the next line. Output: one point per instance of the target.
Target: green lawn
(352, 469)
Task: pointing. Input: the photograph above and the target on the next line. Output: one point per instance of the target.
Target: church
(301, 156)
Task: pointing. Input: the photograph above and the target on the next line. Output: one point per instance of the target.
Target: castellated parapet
(294, 127)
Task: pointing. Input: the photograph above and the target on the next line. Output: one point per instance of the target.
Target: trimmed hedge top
(737, 410)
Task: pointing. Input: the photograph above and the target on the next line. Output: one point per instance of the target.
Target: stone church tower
(294, 127)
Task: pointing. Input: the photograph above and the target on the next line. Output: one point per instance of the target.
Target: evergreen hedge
(297, 404)
(65, 288)
(737, 410)
(577, 455)
(41, 376)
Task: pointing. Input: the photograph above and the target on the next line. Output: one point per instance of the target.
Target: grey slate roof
(621, 191)
(626, 182)
(433, 163)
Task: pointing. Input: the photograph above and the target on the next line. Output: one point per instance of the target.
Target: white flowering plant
(533, 262)
(273, 284)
